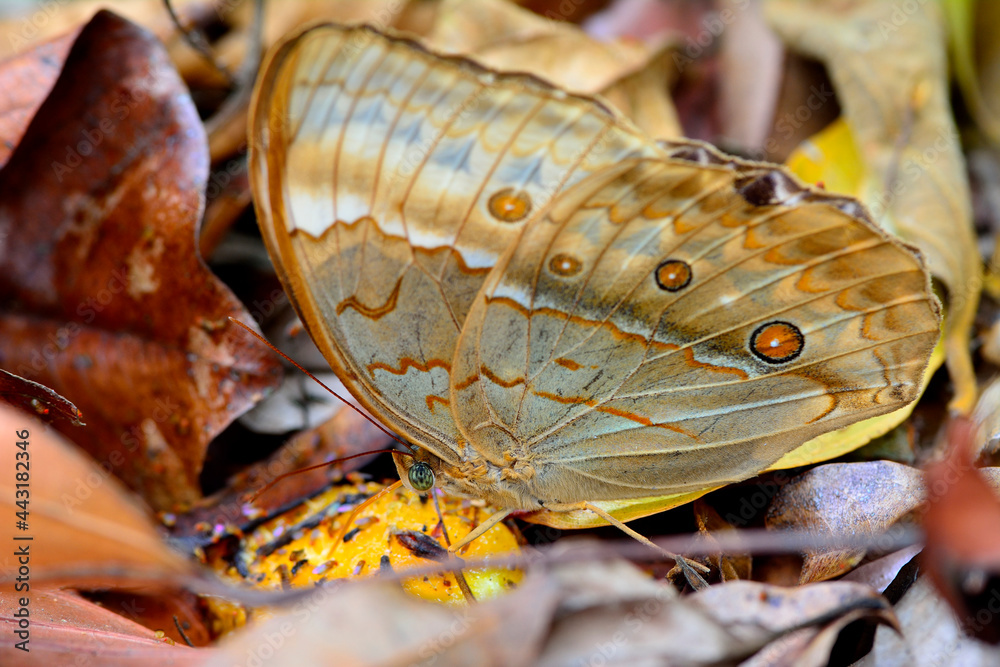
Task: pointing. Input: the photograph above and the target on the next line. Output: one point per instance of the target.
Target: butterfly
(564, 317)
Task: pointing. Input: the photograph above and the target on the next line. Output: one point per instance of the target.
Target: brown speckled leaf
(26, 79)
(106, 300)
(845, 499)
(66, 629)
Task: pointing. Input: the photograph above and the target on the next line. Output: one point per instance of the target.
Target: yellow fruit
(300, 547)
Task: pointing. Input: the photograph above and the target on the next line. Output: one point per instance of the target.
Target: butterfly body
(553, 308)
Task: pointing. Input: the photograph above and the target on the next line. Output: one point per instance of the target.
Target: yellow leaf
(837, 443)
(889, 67)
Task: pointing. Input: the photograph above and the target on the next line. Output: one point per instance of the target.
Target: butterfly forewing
(674, 325)
(389, 182)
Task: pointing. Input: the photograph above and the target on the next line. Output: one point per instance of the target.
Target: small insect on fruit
(564, 317)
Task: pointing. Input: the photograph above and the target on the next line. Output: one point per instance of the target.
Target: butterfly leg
(357, 510)
(470, 598)
(688, 567)
(479, 530)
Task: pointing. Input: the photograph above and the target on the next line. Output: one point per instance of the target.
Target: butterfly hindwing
(676, 323)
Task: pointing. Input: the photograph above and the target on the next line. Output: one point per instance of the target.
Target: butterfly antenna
(320, 383)
(325, 464)
(339, 537)
(407, 452)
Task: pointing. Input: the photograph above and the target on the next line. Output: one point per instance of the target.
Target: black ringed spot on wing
(777, 342)
(673, 275)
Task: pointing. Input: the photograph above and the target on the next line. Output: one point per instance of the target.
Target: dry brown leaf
(845, 499)
(48, 21)
(731, 566)
(900, 115)
(748, 609)
(26, 79)
(962, 522)
(503, 36)
(66, 629)
(278, 20)
(44, 22)
(635, 77)
(375, 623)
(107, 300)
(883, 572)
(644, 97)
(752, 58)
(929, 636)
(570, 613)
(161, 613)
(78, 516)
(37, 399)
(645, 625)
(813, 646)
(346, 434)
(281, 18)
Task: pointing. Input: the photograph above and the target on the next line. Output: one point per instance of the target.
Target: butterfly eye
(421, 476)
(777, 342)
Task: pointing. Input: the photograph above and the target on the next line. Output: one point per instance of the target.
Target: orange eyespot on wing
(564, 265)
(777, 342)
(509, 205)
(673, 275)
